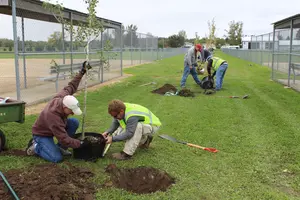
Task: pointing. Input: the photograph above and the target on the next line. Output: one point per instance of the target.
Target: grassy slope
(257, 138)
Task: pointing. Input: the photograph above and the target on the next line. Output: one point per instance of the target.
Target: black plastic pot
(207, 83)
(91, 152)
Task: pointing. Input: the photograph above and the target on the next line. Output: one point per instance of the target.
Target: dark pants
(186, 72)
(47, 149)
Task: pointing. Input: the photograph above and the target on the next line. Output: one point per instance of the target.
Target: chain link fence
(279, 50)
(258, 50)
(44, 44)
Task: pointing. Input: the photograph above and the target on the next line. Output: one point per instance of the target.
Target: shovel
(8, 186)
(213, 150)
(234, 97)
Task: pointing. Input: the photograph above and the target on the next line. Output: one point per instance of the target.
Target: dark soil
(95, 140)
(13, 152)
(186, 93)
(139, 180)
(165, 88)
(49, 182)
(171, 88)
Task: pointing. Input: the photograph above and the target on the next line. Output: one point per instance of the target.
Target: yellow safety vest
(217, 63)
(138, 110)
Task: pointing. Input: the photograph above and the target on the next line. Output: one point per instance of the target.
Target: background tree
(220, 42)
(175, 41)
(84, 33)
(211, 40)
(234, 33)
(197, 39)
(182, 33)
(131, 37)
(55, 40)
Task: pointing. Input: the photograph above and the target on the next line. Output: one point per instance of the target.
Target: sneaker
(65, 152)
(147, 143)
(121, 156)
(30, 150)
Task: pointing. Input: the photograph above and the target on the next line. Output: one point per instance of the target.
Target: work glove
(84, 143)
(85, 66)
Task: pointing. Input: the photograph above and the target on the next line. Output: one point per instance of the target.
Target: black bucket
(91, 152)
(207, 83)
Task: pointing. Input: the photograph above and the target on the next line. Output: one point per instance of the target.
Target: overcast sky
(165, 17)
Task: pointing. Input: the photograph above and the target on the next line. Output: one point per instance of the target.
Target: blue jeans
(220, 75)
(186, 72)
(47, 149)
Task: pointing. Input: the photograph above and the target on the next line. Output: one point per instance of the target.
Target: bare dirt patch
(165, 88)
(13, 152)
(139, 180)
(49, 181)
(171, 88)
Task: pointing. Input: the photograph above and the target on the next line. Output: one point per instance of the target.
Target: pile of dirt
(186, 93)
(49, 181)
(165, 88)
(139, 180)
(171, 88)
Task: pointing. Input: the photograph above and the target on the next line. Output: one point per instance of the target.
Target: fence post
(156, 48)
(163, 49)
(121, 39)
(269, 44)
(251, 48)
(273, 51)
(71, 43)
(23, 51)
(101, 61)
(16, 50)
(290, 54)
(63, 43)
(146, 47)
(131, 47)
(140, 35)
(152, 49)
(262, 48)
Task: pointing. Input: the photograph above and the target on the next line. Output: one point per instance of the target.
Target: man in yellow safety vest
(219, 67)
(133, 123)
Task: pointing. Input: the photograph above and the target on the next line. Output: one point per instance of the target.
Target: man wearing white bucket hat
(54, 122)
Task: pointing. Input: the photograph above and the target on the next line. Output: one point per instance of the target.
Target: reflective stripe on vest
(138, 110)
(139, 113)
(217, 63)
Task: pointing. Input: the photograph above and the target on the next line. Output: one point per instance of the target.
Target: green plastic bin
(11, 111)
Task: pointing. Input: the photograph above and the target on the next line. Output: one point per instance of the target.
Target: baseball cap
(199, 46)
(72, 103)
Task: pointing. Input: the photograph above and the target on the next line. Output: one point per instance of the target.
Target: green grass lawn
(258, 138)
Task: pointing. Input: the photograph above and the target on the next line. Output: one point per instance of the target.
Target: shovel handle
(194, 145)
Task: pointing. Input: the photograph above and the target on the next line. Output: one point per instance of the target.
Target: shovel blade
(170, 138)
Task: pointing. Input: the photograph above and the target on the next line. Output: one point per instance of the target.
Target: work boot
(65, 152)
(30, 150)
(121, 156)
(147, 142)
